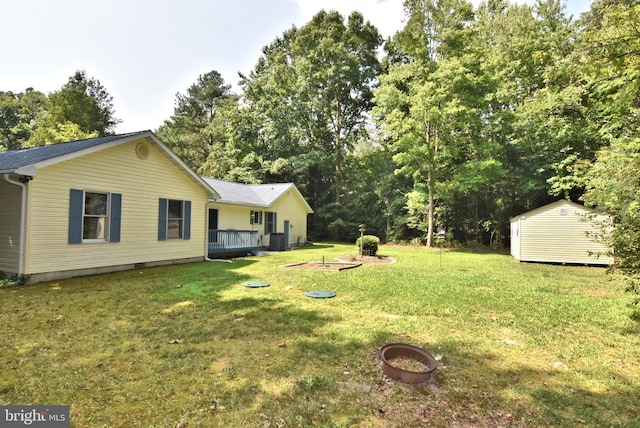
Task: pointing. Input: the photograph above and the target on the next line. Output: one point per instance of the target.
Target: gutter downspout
(23, 219)
(206, 241)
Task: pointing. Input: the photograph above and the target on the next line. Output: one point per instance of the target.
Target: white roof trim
(146, 134)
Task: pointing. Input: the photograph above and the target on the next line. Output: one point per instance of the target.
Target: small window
(255, 217)
(270, 222)
(95, 219)
(563, 211)
(175, 219)
(94, 216)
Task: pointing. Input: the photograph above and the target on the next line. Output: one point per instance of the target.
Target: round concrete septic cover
(320, 294)
(255, 284)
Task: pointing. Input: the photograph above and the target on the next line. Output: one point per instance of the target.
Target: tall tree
(428, 100)
(19, 114)
(84, 101)
(310, 94)
(82, 108)
(606, 61)
(199, 127)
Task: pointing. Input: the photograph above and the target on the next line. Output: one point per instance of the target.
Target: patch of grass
(517, 344)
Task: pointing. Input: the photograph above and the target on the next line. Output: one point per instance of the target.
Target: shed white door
(515, 239)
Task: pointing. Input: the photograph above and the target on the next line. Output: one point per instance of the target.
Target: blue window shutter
(115, 217)
(162, 220)
(275, 222)
(187, 220)
(76, 211)
(260, 217)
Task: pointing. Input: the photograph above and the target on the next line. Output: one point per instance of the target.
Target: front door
(213, 224)
(287, 228)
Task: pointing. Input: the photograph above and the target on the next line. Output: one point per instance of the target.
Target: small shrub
(369, 245)
(10, 281)
(417, 241)
(6, 282)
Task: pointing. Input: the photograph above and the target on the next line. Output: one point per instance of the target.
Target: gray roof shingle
(248, 194)
(14, 159)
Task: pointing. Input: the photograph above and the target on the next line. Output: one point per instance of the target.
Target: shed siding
(9, 226)
(547, 235)
(142, 182)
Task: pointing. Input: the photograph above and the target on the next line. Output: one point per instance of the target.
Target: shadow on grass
(487, 390)
(214, 353)
(317, 246)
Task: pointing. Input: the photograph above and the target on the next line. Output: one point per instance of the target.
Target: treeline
(81, 108)
(470, 116)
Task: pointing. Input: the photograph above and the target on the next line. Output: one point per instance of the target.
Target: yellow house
(561, 232)
(271, 216)
(100, 205)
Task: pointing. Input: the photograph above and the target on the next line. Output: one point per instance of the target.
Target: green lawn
(517, 344)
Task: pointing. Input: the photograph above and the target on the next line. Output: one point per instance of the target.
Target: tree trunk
(431, 190)
(431, 167)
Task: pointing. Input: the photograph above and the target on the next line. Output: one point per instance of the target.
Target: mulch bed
(348, 261)
(366, 259)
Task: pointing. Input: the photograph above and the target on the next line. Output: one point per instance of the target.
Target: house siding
(547, 235)
(141, 182)
(291, 208)
(237, 217)
(10, 196)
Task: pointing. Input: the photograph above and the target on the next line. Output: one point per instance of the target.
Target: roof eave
(246, 204)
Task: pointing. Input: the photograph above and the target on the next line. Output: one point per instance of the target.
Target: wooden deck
(229, 243)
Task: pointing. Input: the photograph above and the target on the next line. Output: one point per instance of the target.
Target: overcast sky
(145, 51)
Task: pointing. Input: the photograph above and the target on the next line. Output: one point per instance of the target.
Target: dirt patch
(348, 261)
(366, 259)
(332, 266)
(593, 292)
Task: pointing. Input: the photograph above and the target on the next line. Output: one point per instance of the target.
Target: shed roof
(552, 205)
(260, 195)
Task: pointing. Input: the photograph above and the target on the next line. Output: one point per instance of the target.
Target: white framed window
(95, 219)
(94, 216)
(175, 219)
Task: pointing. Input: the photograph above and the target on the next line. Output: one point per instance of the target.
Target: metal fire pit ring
(391, 351)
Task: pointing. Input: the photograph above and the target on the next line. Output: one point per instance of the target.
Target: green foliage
(199, 131)
(368, 244)
(51, 132)
(13, 280)
(81, 109)
(606, 67)
(19, 114)
(430, 105)
(83, 102)
(307, 102)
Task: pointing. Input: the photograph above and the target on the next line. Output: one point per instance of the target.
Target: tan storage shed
(557, 233)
